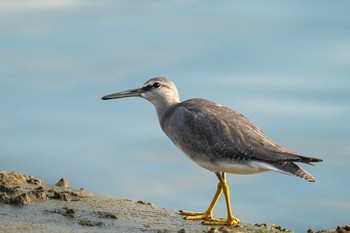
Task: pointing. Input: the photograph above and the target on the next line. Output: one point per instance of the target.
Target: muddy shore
(29, 204)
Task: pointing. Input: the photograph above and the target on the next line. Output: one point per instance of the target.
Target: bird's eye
(156, 85)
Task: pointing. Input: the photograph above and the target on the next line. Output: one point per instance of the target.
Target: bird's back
(212, 133)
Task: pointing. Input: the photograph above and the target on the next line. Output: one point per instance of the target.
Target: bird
(218, 139)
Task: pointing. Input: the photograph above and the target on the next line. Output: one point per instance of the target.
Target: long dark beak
(123, 94)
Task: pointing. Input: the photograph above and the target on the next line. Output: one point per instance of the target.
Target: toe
(190, 213)
(196, 215)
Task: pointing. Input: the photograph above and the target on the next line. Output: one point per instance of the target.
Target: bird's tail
(293, 169)
(309, 160)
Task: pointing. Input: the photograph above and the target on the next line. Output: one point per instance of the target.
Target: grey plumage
(216, 138)
(207, 131)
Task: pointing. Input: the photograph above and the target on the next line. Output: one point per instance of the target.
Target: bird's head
(161, 92)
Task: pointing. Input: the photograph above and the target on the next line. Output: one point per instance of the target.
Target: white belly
(237, 167)
(230, 166)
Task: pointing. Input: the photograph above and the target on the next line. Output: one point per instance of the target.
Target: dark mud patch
(83, 217)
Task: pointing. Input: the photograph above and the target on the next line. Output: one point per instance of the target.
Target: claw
(196, 215)
(229, 221)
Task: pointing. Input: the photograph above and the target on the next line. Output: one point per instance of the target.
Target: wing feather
(202, 126)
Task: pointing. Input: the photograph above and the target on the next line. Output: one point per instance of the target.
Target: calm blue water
(286, 66)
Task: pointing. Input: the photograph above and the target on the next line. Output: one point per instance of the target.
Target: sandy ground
(28, 204)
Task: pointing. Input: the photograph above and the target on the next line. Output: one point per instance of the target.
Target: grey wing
(201, 126)
(255, 144)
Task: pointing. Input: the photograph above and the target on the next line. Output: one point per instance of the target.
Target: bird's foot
(196, 215)
(229, 221)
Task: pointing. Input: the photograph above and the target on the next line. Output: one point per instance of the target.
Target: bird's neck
(164, 105)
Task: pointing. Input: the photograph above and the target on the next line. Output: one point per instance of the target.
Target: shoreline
(29, 204)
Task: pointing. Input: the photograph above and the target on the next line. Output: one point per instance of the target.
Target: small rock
(262, 225)
(69, 213)
(32, 180)
(16, 191)
(22, 199)
(102, 214)
(13, 178)
(40, 193)
(145, 203)
(213, 230)
(274, 226)
(5, 187)
(4, 198)
(343, 229)
(89, 223)
(183, 231)
(163, 231)
(59, 195)
(63, 183)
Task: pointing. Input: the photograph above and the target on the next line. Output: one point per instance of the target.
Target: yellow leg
(207, 214)
(231, 220)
